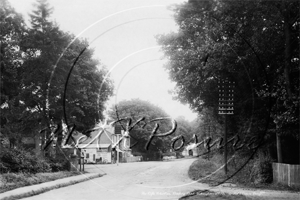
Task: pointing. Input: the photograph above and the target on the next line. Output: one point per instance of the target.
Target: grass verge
(10, 181)
(211, 172)
(209, 195)
(48, 188)
(206, 171)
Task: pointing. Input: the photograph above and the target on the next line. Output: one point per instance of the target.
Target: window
(102, 150)
(87, 155)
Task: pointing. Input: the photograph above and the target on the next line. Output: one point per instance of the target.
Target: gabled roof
(94, 146)
(101, 137)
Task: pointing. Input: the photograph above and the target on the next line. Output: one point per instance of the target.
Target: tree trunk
(58, 150)
(38, 143)
(279, 151)
(287, 53)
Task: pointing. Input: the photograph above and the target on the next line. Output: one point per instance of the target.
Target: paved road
(146, 180)
(142, 180)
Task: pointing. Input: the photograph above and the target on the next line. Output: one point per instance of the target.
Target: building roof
(94, 146)
(100, 137)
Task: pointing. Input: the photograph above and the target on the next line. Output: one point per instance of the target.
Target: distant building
(98, 147)
(190, 152)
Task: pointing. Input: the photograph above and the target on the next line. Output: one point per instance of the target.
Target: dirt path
(143, 180)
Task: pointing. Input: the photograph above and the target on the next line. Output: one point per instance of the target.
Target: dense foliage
(253, 43)
(47, 75)
(19, 160)
(136, 109)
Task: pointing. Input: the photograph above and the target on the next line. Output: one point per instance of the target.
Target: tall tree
(206, 125)
(12, 108)
(243, 41)
(43, 44)
(86, 90)
(137, 109)
(53, 68)
(47, 73)
(184, 127)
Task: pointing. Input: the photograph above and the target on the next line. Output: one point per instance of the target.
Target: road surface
(129, 181)
(145, 180)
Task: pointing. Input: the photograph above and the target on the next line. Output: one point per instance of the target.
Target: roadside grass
(209, 195)
(206, 171)
(10, 181)
(211, 172)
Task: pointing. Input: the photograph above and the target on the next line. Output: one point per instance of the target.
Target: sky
(122, 33)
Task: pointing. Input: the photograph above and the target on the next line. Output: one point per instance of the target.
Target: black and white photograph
(149, 99)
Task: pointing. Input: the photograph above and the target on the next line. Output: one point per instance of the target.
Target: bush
(244, 175)
(59, 165)
(19, 160)
(179, 154)
(262, 170)
(202, 168)
(257, 171)
(13, 178)
(9, 181)
(3, 168)
(169, 154)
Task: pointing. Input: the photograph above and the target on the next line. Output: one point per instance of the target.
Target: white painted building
(97, 148)
(97, 153)
(190, 152)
